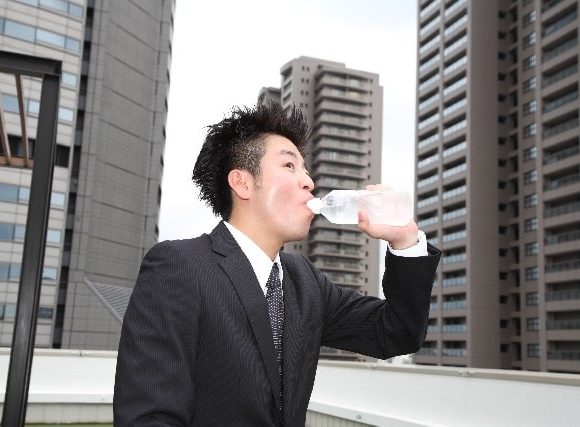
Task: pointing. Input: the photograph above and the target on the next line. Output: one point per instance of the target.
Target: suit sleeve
(382, 328)
(154, 382)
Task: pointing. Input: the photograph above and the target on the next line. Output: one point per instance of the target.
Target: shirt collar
(261, 263)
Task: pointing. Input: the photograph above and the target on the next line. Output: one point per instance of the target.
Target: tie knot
(274, 278)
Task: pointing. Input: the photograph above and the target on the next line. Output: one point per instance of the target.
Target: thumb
(363, 221)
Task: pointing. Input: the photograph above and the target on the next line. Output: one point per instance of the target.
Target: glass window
(531, 200)
(532, 298)
(49, 273)
(19, 232)
(531, 224)
(533, 324)
(75, 10)
(529, 84)
(530, 177)
(19, 31)
(530, 107)
(4, 270)
(14, 271)
(53, 236)
(10, 311)
(50, 37)
(9, 103)
(33, 106)
(65, 114)
(531, 248)
(69, 79)
(532, 273)
(45, 312)
(8, 193)
(533, 350)
(23, 194)
(73, 44)
(529, 130)
(59, 5)
(529, 62)
(57, 199)
(6, 231)
(529, 17)
(530, 153)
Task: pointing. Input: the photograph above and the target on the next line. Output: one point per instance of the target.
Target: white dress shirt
(262, 264)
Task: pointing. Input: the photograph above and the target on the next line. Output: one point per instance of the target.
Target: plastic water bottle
(382, 207)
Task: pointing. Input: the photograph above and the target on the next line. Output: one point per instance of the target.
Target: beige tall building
(344, 108)
(498, 181)
(111, 134)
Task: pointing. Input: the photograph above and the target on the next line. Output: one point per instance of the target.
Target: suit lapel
(293, 339)
(242, 277)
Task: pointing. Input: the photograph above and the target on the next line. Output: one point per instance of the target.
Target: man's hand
(399, 237)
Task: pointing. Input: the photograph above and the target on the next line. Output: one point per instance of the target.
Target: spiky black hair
(237, 142)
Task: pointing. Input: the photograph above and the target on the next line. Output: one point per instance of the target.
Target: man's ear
(241, 182)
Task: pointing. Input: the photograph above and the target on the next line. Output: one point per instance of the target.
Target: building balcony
(563, 325)
(560, 23)
(323, 143)
(454, 352)
(340, 132)
(340, 171)
(352, 238)
(562, 242)
(553, 184)
(454, 329)
(555, 52)
(558, 156)
(343, 107)
(352, 96)
(338, 265)
(345, 159)
(564, 74)
(343, 253)
(568, 209)
(341, 119)
(331, 80)
(567, 300)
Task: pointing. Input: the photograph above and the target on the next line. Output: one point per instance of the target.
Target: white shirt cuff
(420, 249)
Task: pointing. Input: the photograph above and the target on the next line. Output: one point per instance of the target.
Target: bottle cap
(315, 205)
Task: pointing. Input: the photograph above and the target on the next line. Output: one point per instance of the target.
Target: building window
(533, 350)
(530, 177)
(529, 18)
(531, 248)
(532, 298)
(533, 324)
(529, 62)
(8, 193)
(531, 224)
(532, 273)
(530, 153)
(529, 130)
(530, 107)
(530, 200)
(530, 39)
(529, 84)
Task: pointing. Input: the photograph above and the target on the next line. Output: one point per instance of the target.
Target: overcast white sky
(225, 51)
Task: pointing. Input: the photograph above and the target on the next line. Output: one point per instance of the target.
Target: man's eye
(289, 165)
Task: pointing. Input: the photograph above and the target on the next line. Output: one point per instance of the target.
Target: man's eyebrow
(291, 153)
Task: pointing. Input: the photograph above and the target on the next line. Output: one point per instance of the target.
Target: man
(225, 329)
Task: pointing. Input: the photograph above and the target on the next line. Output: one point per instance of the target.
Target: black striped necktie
(276, 312)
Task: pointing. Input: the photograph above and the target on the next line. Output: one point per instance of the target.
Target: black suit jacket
(196, 345)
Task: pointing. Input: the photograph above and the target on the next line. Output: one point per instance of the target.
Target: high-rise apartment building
(344, 109)
(498, 181)
(106, 189)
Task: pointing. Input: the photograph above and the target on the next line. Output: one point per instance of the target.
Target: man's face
(282, 190)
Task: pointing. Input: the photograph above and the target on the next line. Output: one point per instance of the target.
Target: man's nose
(307, 182)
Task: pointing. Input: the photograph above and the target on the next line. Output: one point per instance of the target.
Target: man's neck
(259, 237)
